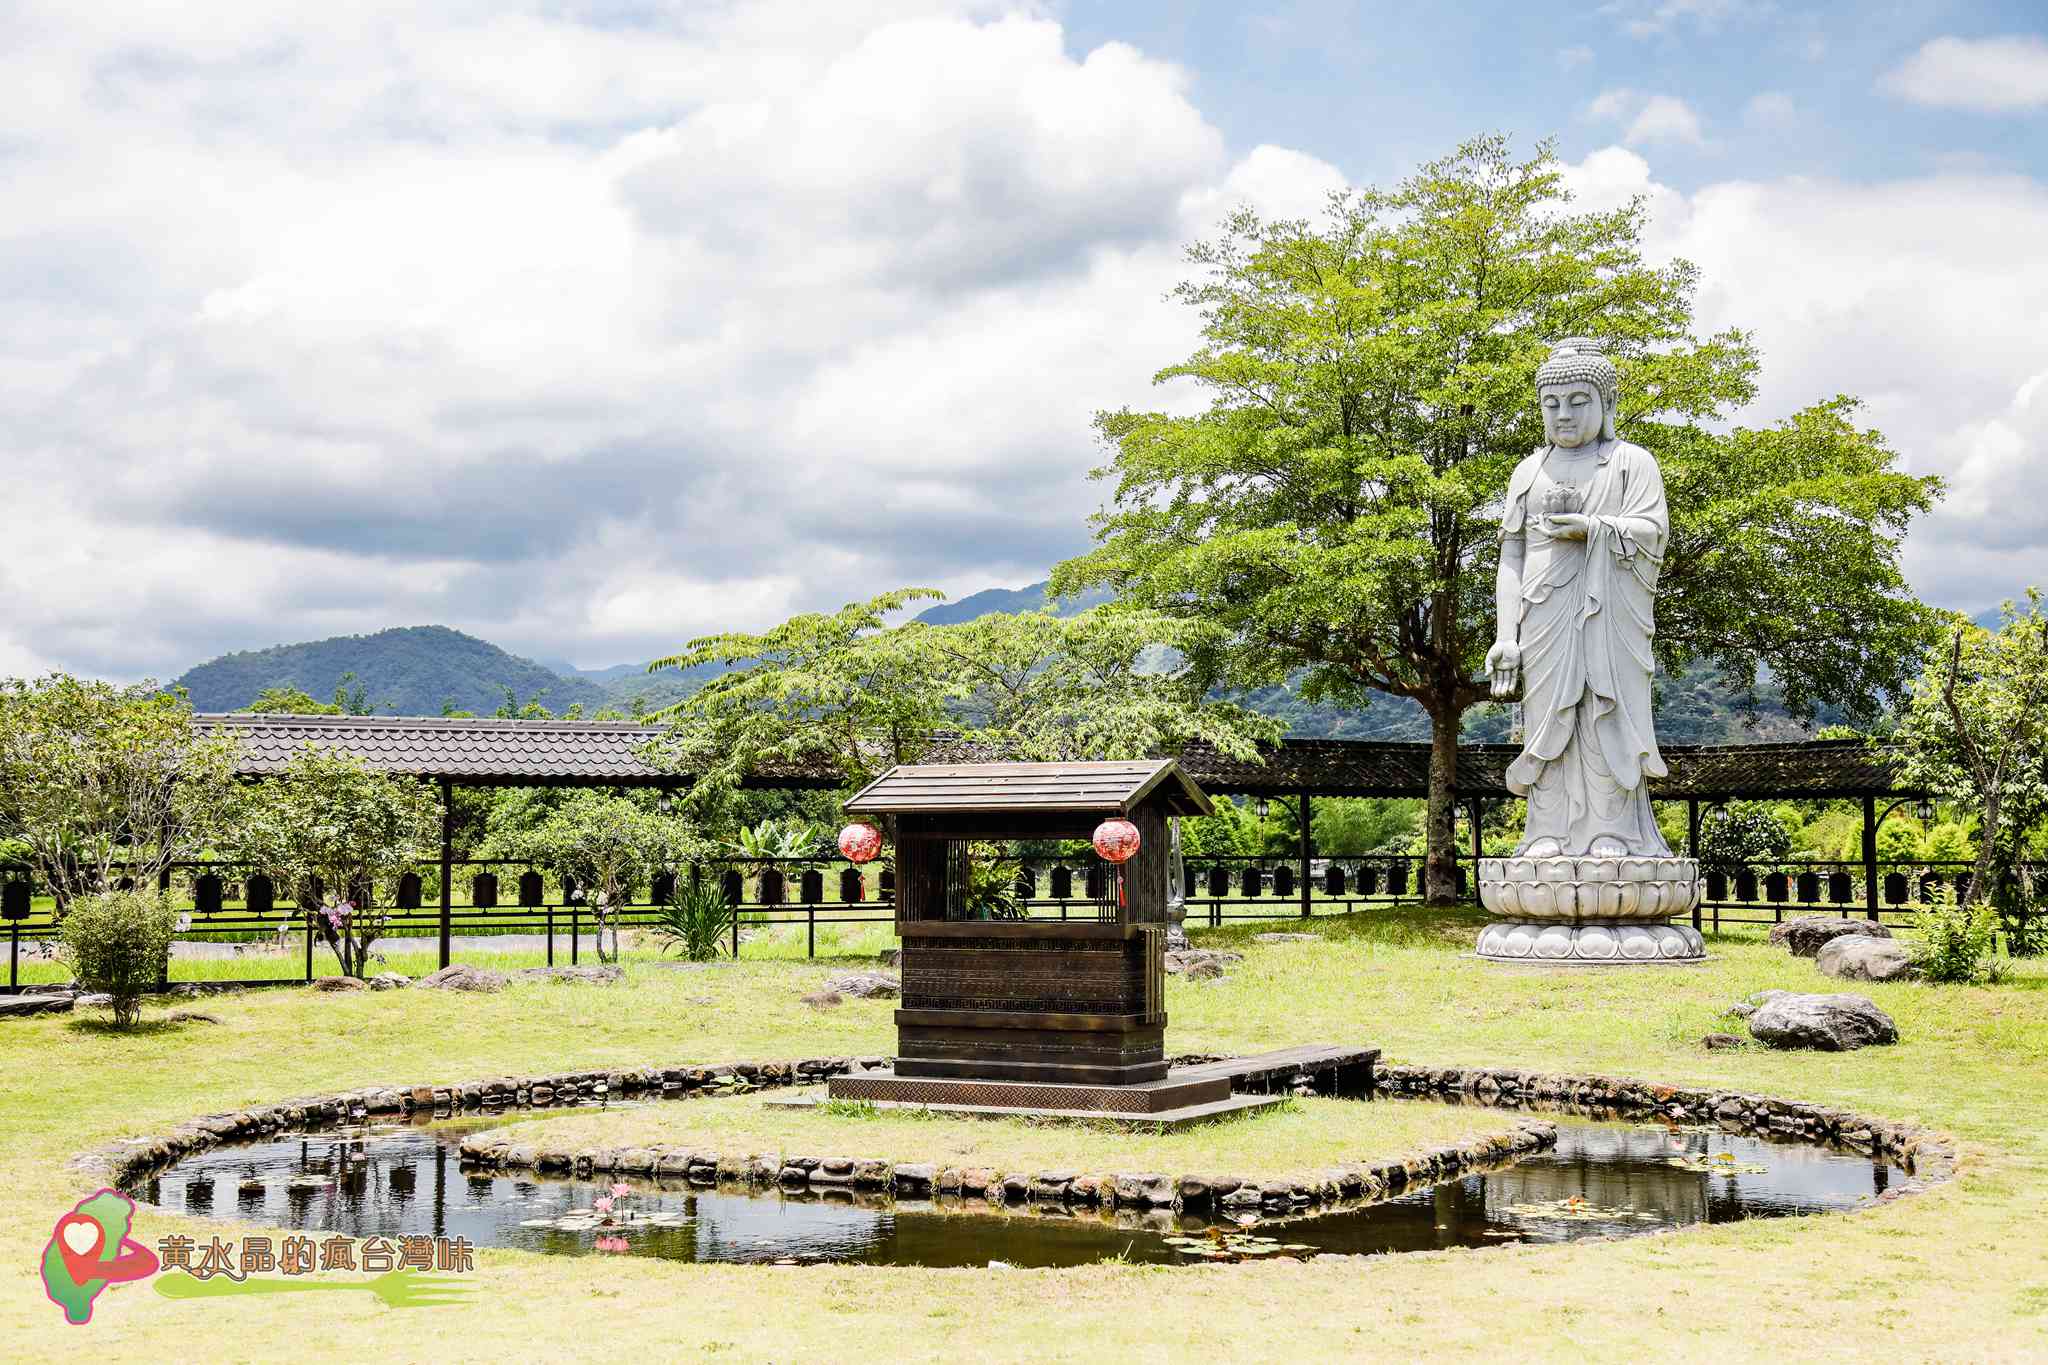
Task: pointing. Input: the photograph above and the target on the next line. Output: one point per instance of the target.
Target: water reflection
(1602, 1179)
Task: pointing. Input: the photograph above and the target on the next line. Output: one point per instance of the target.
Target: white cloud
(1655, 20)
(1770, 110)
(1988, 75)
(585, 338)
(1651, 118)
(1923, 297)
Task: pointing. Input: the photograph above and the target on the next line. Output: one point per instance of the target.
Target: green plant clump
(697, 921)
(1956, 941)
(119, 942)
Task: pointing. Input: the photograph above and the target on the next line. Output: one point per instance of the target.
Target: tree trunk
(1440, 869)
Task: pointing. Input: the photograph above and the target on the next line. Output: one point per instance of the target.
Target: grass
(1310, 1135)
(1955, 1273)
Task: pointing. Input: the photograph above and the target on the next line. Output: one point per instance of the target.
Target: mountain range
(433, 670)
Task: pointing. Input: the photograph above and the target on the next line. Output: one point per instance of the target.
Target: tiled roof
(952, 788)
(564, 752)
(505, 751)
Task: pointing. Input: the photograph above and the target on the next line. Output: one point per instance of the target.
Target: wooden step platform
(1188, 1094)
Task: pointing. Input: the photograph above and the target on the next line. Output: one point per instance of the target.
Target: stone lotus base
(1582, 889)
(1590, 910)
(1621, 944)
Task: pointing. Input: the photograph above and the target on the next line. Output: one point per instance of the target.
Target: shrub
(697, 921)
(119, 942)
(1956, 943)
(1744, 834)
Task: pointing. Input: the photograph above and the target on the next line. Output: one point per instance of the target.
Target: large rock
(1199, 964)
(866, 986)
(462, 977)
(1808, 934)
(607, 975)
(18, 1005)
(1865, 957)
(1827, 1023)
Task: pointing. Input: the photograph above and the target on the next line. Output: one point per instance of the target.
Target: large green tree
(849, 690)
(101, 783)
(1333, 513)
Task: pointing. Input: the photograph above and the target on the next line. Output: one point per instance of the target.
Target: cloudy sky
(589, 325)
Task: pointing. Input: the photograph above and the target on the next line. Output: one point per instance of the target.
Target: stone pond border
(1928, 1157)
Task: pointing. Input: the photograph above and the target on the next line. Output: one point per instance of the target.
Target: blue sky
(1377, 88)
(590, 326)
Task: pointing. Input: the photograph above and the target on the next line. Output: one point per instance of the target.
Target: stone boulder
(1826, 1023)
(1285, 938)
(340, 983)
(1200, 964)
(16, 1006)
(607, 975)
(1865, 957)
(866, 986)
(390, 981)
(1807, 935)
(462, 977)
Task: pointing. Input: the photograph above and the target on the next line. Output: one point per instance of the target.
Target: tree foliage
(1976, 733)
(852, 691)
(100, 782)
(607, 844)
(331, 817)
(1742, 834)
(1333, 513)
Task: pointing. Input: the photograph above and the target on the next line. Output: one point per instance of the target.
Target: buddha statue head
(1575, 391)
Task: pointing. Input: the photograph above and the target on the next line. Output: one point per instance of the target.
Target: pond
(1602, 1179)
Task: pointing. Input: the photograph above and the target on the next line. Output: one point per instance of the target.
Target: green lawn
(1956, 1273)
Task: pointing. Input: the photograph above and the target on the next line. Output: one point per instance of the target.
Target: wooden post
(1478, 810)
(1307, 851)
(1692, 827)
(447, 866)
(1870, 857)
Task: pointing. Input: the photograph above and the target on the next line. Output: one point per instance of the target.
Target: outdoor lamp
(1923, 810)
(860, 842)
(1116, 840)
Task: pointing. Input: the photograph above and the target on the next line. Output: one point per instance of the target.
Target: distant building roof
(571, 753)
(1023, 788)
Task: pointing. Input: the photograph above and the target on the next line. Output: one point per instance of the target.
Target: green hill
(406, 671)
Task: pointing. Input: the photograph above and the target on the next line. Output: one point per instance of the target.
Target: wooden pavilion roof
(605, 753)
(1105, 788)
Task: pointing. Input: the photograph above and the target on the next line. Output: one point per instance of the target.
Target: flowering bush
(332, 818)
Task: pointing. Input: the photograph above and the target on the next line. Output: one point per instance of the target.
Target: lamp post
(1923, 809)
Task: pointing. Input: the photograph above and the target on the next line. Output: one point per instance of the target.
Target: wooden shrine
(1008, 1015)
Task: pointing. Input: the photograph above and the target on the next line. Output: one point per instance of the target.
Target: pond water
(1602, 1179)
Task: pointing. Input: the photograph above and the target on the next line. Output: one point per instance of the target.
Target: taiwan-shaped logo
(90, 1249)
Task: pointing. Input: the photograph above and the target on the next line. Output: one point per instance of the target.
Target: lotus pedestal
(1590, 911)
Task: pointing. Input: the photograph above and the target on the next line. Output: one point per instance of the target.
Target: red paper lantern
(860, 842)
(1116, 840)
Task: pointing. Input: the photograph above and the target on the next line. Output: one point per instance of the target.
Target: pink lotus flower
(602, 1205)
(613, 1244)
(621, 1190)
